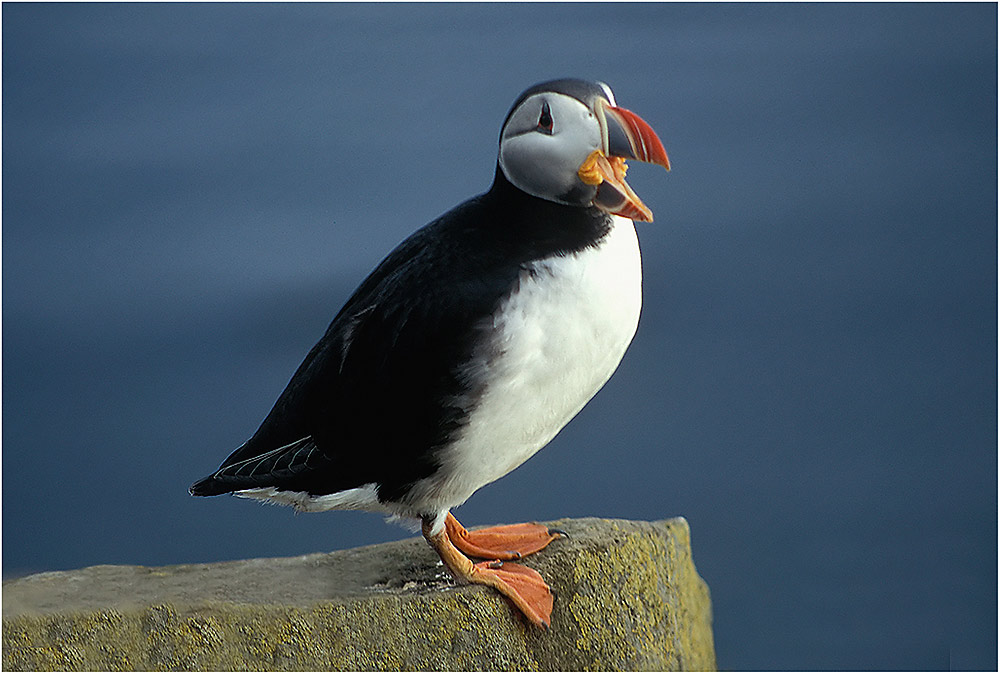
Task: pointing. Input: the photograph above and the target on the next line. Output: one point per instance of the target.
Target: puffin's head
(566, 141)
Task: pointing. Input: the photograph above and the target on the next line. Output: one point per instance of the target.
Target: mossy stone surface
(627, 598)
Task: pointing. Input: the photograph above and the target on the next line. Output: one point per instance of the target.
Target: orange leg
(523, 586)
(507, 542)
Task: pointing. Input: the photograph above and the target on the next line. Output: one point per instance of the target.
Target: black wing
(374, 397)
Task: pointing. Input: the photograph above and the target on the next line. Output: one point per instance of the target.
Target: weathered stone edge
(628, 598)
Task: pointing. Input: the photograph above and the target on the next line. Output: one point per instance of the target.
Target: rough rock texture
(627, 598)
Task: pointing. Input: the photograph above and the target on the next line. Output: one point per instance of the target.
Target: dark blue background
(191, 191)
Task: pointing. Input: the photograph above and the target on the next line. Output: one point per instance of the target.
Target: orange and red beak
(625, 135)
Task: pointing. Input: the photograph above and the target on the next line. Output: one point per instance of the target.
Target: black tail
(209, 486)
(282, 467)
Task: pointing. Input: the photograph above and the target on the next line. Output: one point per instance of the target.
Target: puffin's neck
(560, 228)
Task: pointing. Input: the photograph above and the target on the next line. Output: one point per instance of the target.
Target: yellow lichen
(627, 598)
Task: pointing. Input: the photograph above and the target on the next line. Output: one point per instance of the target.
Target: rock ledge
(627, 598)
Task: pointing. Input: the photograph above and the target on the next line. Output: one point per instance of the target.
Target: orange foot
(512, 541)
(523, 586)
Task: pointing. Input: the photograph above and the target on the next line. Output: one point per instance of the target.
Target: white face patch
(544, 143)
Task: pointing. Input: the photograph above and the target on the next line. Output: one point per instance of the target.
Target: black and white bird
(472, 344)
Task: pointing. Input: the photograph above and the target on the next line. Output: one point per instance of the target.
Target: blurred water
(191, 191)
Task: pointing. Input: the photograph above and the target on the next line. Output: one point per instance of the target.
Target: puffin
(471, 344)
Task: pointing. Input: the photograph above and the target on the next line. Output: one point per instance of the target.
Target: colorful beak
(625, 135)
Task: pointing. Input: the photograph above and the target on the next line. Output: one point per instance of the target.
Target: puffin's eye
(545, 119)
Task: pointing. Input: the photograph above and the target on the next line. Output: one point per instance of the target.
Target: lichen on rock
(627, 598)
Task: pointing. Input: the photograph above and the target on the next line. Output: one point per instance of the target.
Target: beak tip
(660, 157)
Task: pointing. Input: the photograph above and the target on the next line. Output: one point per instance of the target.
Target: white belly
(550, 347)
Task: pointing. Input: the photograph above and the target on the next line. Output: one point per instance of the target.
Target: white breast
(550, 347)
